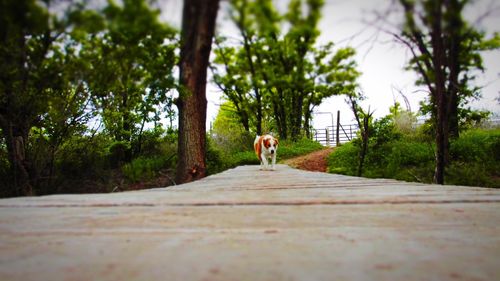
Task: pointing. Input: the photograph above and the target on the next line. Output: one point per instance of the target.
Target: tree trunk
(296, 115)
(439, 63)
(307, 120)
(198, 26)
(364, 144)
(259, 112)
(126, 129)
(454, 42)
(253, 74)
(280, 114)
(16, 137)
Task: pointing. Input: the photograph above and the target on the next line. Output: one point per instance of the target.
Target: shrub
(410, 160)
(157, 141)
(344, 160)
(215, 158)
(476, 146)
(145, 168)
(79, 160)
(118, 151)
(474, 157)
(81, 156)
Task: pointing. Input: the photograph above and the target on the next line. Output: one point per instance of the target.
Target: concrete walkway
(246, 224)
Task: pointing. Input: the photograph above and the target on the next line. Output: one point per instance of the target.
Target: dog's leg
(274, 161)
(264, 162)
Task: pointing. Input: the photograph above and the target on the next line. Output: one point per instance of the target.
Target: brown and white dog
(266, 147)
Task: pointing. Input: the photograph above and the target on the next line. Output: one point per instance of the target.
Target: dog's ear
(276, 142)
(266, 143)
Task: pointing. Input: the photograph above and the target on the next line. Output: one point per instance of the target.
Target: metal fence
(334, 136)
(331, 136)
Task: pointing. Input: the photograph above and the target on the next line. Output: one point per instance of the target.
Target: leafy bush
(158, 151)
(477, 146)
(474, 157)
(344, 160)
(156, 141)
(5, 171)
(96, 164)
(118, 151)
(79, 160)
(144, 168)
(215, 158)
(410, 160)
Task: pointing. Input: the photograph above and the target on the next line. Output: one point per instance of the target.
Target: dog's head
(270, 144)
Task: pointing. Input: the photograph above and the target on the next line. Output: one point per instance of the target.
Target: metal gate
(335, 135)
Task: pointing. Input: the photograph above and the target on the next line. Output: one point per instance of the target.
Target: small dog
(266, 147)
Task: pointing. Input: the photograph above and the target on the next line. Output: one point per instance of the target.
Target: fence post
(327, 137)
(338, 128)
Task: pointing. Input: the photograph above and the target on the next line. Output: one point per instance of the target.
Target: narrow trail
(315, 161)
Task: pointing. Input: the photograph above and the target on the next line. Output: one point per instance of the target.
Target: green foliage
(81, 166)
(398, 149)
(344, 160)
(92, 163)
(66, 66)
(118, 153)
(40, 88)
(474, 159)
(228, 132)
(131, 86)
(446, 51)
(409, 160)
(145, 168)
(392, 144)
(275, 79)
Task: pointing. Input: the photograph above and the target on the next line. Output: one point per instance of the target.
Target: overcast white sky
(379, 58)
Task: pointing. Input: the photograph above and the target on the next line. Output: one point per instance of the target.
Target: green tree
(227, 130)
(446, 51)
(33, 83)
(132, 59)
(283, 75)
(231, 82)
(67, 113)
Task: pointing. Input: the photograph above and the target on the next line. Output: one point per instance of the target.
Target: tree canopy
(65, 65)
(278, 74)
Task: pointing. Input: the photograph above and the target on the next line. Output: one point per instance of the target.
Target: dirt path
(315, 161)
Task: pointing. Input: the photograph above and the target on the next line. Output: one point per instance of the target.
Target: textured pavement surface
(246, 224)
